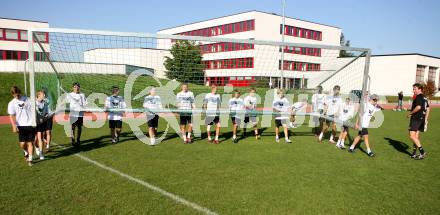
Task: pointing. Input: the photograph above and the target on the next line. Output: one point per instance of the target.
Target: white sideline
(145, 184)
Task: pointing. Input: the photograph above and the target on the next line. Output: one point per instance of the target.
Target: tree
(429, 89)
(185, 65)
(343, 53)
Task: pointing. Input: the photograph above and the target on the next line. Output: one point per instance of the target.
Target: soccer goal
(99, 60)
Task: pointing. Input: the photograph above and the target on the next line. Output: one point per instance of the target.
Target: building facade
(241, 64)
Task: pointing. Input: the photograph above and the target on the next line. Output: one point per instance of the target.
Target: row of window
(302, 51)
(301, 32)
(236, 81)
(236, 63)
(21, 35)
(248, 25)
(299, 66)
(225, 47)
(20, 55)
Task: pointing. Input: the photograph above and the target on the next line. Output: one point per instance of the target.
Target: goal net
(99, 60)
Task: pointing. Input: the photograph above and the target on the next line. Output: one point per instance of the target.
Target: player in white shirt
(113, 104)
(250, 104)
(345, 114)
(318, 101)
(152, 103)
(20, 116)
(44, 124)
(77, 102)
(331, 111)
(185, 104)
(211, 104)
(236, 105)
(281, 107)
(370, 108)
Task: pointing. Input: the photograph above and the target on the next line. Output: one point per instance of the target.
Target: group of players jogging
(328, 111)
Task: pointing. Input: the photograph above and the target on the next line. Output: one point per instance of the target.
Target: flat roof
(274, 14)
(26, 20)
(387, 55)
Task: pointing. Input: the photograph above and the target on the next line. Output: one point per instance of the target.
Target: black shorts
(363, 132)
(115, 123)
(185, 119)
(235, 120)
(249, 118)
(345, 128)
(212, 120)
(26, 134)
(280, 122)
(76, 121)
(417, 125)
(153, 121)
(45, 126)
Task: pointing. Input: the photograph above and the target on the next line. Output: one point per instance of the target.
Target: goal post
(102, 59)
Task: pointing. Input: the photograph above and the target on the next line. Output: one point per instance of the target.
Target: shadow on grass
(87, 145)
(398, 145)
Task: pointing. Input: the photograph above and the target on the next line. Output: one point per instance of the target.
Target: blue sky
(385, 26)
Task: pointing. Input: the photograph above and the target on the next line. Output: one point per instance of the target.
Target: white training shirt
(250, 103)
(333, 104)
(152, 103)
(77, 101)
(21, 108)
(185, 100)
(282, 105)
(212, 102)
(369, 111)
(115, 102)
(346, 111)
(236, 105)
(318, 101)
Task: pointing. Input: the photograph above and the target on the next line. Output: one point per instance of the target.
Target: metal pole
(32, 75)
(282, 47)
(24, 77)
(365, 83)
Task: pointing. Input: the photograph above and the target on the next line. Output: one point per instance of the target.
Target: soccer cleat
(189, 140)
(257, 137)
(72, 141)
(421, 156)
(331, 142)
(277, 139)
(37, 151)
(288, 141)
(114, 141)
(216, 142)
(78, 142)
(235, 140)
(29, 163)
(41, 156)
(351, 150)
(209, 141)
(341, 146)
(371, 154)
(413, 156)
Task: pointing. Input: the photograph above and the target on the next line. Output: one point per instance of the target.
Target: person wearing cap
(332, 105)
(113, 104)
(77, 102)
(370, 108)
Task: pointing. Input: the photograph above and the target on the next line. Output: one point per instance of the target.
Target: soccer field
(251, 177)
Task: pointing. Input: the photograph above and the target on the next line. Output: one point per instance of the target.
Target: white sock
(209, 138)
(352, 147)
(342, 143)
(339, 141)
(331, 137)
(368, 150)
(320, 135)
(277, 137)
(25, 152)
(189, 134)
(234, 137)
(30, 158)
(216, 137)
(47, 146)
(286, 138)
(184, 137)
(153, 141)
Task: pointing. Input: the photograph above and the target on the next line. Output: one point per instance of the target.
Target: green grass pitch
(252, 177)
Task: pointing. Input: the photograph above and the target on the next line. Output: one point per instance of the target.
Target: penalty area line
(154, 188)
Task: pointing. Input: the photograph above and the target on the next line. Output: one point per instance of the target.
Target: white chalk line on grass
(145, 184)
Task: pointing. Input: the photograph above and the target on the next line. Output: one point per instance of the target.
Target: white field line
(172, 196)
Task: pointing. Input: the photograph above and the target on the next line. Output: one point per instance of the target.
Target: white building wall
(21, 25)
